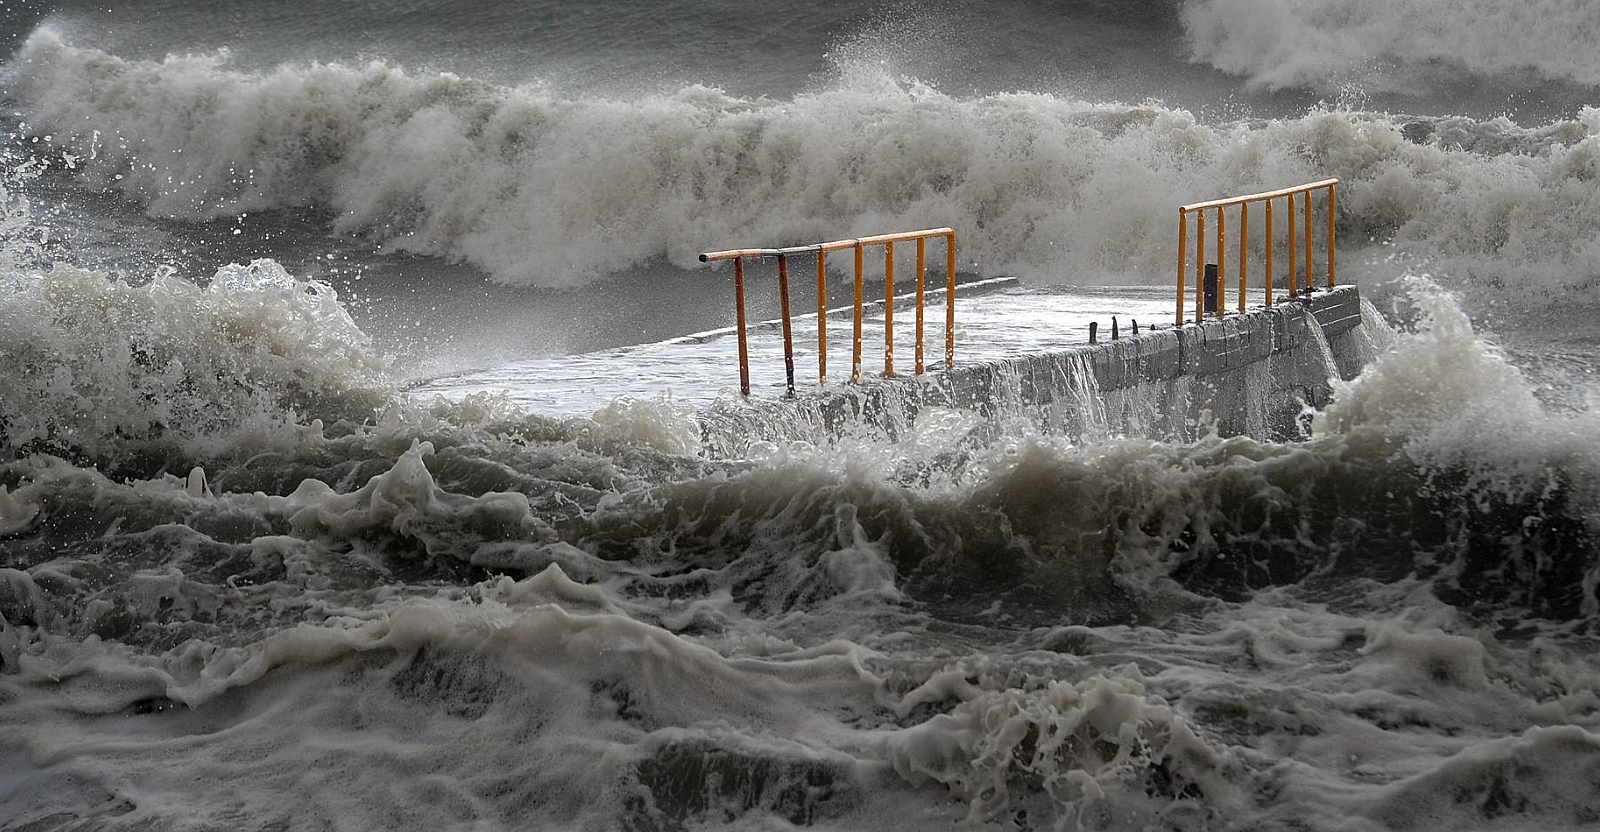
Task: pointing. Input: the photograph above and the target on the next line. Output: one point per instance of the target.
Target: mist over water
(247, 580)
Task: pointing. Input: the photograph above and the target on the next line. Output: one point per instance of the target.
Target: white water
(652, 639)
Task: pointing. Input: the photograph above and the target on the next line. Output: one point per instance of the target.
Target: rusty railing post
(950, 302)
(1269, 246)
(822, 315)
(888, 309)
(1222, 262)
(1200, 266)
(1310, 284)
(1294, 288)
(744, 348)
(1183, 254)
(1244, 254)
(788, 333)
(922, 266)
(855, 352)
(1332, 235)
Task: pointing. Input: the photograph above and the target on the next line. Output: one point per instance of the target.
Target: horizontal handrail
(1264, 195)
(836, 313)
(833, 245)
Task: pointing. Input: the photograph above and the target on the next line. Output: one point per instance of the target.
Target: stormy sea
(357, 471)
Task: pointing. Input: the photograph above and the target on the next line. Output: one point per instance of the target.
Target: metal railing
(1199, 209)
(859, 244)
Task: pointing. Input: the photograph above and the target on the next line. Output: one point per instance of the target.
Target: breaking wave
(96, 363)
(547, 190)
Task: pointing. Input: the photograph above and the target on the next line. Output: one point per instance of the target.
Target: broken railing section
(820, 251)
(1204, 270)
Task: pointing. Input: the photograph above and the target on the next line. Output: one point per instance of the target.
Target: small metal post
(1094, 332)
(1135, 326)
(1213, 297)
(1114, 334)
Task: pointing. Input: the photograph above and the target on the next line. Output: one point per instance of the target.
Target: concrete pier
(1252, 373)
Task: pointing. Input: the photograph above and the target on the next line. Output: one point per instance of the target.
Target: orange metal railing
(1199, 209)
(859, 244)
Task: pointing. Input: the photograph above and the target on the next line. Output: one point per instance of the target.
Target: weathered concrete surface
(1252, 373)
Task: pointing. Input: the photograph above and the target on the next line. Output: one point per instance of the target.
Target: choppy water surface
(254, 575)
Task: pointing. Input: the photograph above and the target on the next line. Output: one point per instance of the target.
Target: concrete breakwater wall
(1252, 374)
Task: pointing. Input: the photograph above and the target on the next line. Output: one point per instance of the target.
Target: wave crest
(96, 364)
(545, 190)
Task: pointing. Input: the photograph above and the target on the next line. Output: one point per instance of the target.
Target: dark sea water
(248, 581)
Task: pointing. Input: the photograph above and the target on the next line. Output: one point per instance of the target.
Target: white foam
(1454, 402)
(1076, 753)
(16, 513)
(95, 361)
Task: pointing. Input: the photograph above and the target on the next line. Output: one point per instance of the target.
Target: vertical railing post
(1294, 289)
(1222, 261)
(855, 350)
(1183, 253)
(922, 267)
(1332, 235)
(1269, 246)
(822, 314)
(1244, 253)
(1200, 266)
(1310, 284)
(788, 332)
(888, 309)
(744, 348)
(950, 302)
